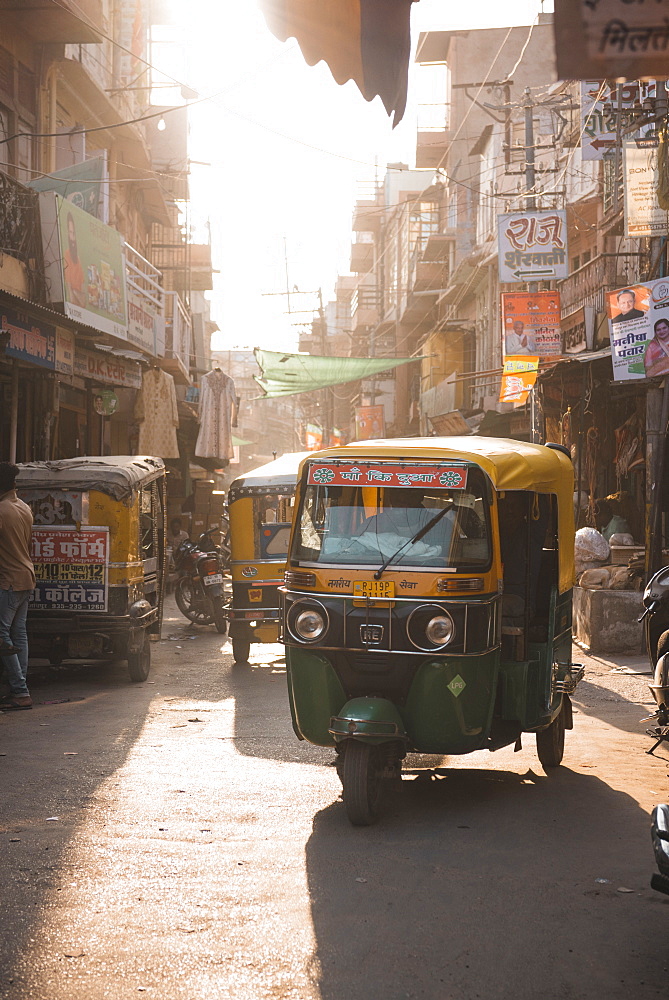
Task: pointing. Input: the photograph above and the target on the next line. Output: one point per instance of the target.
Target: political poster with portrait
(639, 329)
(531, 324)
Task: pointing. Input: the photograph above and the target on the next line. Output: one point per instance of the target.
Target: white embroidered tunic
(156, 411)
(218, 415)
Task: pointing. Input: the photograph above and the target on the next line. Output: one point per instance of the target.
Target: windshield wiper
(415, 538)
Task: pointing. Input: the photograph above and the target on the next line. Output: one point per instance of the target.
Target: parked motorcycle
(199, 591)
(656, 616)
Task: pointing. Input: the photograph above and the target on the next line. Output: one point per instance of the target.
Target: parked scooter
(199, 590)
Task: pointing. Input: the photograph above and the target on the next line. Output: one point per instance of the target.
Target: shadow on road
(484, 884)
(54, 760)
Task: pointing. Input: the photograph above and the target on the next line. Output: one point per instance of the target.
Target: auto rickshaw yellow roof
(510, 464)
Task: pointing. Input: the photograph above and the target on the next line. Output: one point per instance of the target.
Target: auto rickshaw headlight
(439, 630)
(310, 624)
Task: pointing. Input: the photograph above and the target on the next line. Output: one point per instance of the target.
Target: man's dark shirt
(632, 314)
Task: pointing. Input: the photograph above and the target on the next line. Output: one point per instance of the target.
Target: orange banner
(518, 378)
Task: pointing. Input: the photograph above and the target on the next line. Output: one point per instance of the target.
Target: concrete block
(605, 621)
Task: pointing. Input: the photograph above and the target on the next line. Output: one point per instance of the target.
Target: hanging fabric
(156, 411)
(218, 415)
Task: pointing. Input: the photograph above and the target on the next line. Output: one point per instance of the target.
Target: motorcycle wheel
(362, 781)
(194, 612)
(550, 742)
(220, 620)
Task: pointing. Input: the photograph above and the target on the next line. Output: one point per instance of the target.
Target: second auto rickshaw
(427, 603)
(98, 548)
(260, 505)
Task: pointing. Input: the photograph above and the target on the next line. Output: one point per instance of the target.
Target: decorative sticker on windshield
(450, 477)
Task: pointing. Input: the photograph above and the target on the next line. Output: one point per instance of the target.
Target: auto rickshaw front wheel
(362, 776)
(139, 660)
(550, 741)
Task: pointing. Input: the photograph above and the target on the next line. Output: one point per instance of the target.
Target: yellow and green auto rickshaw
(98, 547)
(260, 509)
(427, 603)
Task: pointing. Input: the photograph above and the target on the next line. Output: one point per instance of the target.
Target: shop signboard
(350, 473)
(599, 103)
(70, 568)
(107, 368)
(29, 339)
(64, 351)
(639, 330)
(578, 330)
(370, 422)
(532, 246)
(518, 377)
(84, 184)
(531, 324)
(611, 39)
(643, 215)
(85, 266)
(146, 323)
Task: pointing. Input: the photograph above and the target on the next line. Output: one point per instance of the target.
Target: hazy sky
(288, 149)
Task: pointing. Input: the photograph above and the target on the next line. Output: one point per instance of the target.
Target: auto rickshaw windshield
(364, 525)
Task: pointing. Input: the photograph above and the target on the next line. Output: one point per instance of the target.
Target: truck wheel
(139, 663)
(550, 742)
(361, 780)
(241, 649)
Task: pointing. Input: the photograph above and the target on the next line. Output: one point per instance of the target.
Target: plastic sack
(621, 538)
(590, 549)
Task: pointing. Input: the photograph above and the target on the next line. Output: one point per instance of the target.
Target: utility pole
(530, 206)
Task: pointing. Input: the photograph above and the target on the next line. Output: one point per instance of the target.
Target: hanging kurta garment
(156, 410)
(218, 415)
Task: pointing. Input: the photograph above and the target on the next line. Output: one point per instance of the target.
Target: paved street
(173, 839)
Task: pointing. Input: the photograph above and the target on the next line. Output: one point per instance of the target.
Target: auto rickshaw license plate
(374, 589)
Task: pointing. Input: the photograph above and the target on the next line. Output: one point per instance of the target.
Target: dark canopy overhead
(367, 41)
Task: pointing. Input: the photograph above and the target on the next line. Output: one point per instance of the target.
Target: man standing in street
(17, 581)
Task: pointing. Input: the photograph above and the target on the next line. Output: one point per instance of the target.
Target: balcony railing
(588, 285)
(178, 333)
(20, 231)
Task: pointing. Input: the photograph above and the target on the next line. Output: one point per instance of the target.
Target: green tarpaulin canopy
(288, 374)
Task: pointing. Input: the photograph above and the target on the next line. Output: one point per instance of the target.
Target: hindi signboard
(600, 102)
(108, 368)
(29, 339)
(643, 215)
(611, 39)
(70, 568)
(391, 475)
(532, 246)
(531, 324)
(639, 330)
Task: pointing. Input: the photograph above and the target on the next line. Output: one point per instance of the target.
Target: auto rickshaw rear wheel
(550, 741)
(241, 649)
(139, 662)
(362, 778)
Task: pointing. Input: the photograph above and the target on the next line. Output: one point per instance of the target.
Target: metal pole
(530, 206)
(14, 413)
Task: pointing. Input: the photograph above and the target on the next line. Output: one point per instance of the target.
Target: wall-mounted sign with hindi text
(611, 39)
(532, 246)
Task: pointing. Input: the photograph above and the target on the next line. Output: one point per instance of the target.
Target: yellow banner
(518, 378)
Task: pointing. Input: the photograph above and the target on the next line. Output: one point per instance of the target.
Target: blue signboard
(29, 339)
